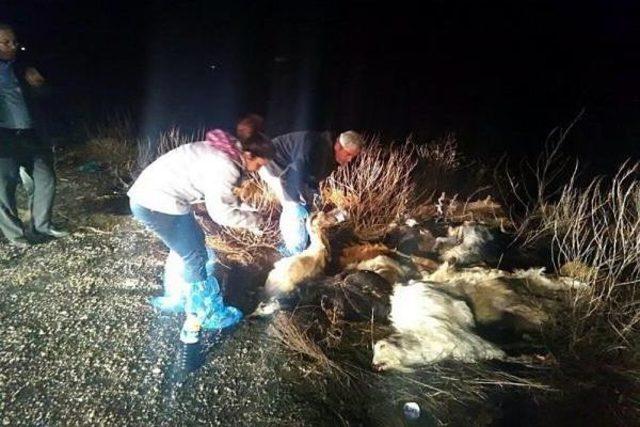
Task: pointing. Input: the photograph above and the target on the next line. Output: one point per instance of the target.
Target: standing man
(20, 146)
(302, 160)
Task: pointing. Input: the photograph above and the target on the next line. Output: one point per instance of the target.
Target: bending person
(161, 197)
(301, 161)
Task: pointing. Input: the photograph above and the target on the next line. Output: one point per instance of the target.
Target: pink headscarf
(222, 141)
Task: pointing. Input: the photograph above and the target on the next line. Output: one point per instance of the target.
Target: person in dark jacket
(302, 160)
(21, 146)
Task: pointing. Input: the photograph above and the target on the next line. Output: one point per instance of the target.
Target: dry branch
(376, 190)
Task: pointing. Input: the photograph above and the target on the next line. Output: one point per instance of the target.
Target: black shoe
(52, 232)
(20, 242)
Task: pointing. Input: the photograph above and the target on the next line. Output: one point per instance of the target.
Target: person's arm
(297, 183)
(222, 204)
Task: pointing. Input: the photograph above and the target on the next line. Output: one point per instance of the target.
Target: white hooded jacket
(189, 174)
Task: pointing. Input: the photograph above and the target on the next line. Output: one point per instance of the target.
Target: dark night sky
(499, 74)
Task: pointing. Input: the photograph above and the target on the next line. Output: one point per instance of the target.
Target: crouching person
(160, 199)
(302, 160)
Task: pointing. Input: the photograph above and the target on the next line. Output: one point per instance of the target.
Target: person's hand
(33, 77)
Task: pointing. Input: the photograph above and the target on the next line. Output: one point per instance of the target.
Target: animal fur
(361, 257)
(309, 264)
(390, 269)
(355, 295)
(535, 280)
(435, 319)
(471, 244)
(522, 301)
(430, 326)
(409, 238)
(362, 252)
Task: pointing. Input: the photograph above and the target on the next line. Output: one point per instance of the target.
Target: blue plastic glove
(293, 227)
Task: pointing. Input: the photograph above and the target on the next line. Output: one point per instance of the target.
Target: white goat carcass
(431, 326)
(522, 301)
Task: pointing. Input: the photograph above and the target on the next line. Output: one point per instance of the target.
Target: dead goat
(309, 264)
(441, 316)
(430, 326)
(472, 244)
(351, 295)
(520, 302)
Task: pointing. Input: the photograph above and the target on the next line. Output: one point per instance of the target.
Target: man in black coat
(302, 160)
(22, 146)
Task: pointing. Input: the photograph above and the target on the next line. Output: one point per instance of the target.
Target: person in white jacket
(161, 199)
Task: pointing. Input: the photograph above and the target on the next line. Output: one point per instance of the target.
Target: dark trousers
(181, 234)
(22, 149)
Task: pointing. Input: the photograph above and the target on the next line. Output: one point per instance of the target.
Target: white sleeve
(274, 183)
(222, 205)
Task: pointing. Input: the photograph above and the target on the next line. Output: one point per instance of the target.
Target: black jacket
(38, 100)
(302, 160)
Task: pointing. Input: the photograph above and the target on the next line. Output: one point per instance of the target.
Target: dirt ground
(79, 343)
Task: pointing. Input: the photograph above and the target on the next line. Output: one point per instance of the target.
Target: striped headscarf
(222, 141)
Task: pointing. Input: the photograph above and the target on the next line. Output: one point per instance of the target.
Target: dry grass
(453, 210)
(294, 339)
(117, 125)
(442, 153)
(598, 228)
(114, 143)
(593, 234)
(241, 246)
(111, 142)
(446, 391)
(150, 149)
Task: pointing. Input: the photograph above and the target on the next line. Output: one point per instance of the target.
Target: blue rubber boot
(221, 316)
(175, 287)
(282, 250)
(206, 311)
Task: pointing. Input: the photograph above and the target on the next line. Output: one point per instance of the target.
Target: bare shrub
(376, 190)
(593, 234)
(534, 187)
(441, 154)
